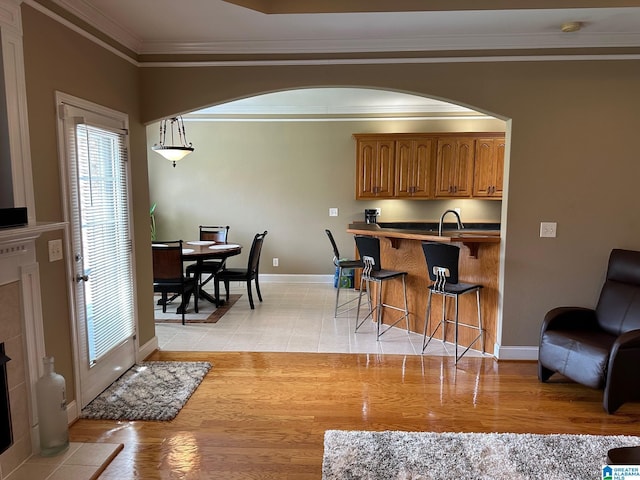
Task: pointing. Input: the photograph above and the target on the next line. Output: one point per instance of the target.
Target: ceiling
(154, 27)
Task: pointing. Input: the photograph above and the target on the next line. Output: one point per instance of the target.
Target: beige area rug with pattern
(148, 391)
(466, 456)
(208, 313)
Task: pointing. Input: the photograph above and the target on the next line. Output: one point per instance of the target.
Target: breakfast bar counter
(401, 249)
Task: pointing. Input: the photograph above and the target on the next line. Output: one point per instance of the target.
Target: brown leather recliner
(599, 348)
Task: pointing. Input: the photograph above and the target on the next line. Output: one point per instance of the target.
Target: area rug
(148, 391)
(478, 456)
(207, 311)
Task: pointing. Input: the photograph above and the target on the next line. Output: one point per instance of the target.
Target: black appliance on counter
(371, 215)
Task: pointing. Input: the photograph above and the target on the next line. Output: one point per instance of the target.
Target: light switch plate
(548, 229)
(333, 212)
(55, 250)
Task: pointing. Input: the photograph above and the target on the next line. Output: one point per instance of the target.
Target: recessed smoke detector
(570, 27)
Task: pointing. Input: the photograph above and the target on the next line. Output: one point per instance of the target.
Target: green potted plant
(153, 222)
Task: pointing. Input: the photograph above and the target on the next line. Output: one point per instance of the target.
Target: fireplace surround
(21, 332)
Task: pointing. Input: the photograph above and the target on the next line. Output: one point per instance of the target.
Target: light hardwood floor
(263, 415)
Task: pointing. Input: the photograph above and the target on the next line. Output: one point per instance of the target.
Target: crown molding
(382, 61)
(360, 6)
(87, 13)
(426, 44)
(80, 31)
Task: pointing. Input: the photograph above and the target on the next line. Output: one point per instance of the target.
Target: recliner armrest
(630, 339)
(570, 318)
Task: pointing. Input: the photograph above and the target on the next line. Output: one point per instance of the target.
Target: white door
(95, 154)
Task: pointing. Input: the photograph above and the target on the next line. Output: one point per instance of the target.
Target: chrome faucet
(460, 225)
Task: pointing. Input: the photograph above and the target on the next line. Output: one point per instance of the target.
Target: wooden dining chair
(243, 274)
(168, 276)
(211, 233)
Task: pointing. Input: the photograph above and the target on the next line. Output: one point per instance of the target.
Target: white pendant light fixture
(173, 152)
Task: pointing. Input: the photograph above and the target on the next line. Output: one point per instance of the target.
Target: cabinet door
(375, 169)
(489, 167)
(500, 146)
(415, 164)
(454, 167)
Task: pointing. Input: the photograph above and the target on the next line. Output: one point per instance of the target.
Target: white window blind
(102, 211)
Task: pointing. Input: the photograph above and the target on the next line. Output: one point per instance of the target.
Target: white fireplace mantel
(18, 263)
(29, 231)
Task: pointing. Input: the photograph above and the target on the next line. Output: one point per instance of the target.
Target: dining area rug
(466, 456)
(207, 311)
(148, 391)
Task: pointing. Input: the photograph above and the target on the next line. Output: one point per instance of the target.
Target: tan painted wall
(573, 159)
(58, 59)
(283, 177)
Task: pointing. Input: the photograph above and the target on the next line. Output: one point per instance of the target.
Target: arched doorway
(280, 161)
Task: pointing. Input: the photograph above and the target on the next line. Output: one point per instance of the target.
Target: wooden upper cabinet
(375, 168)
(415, 167)
(454, 167)
(489, 168)
(429, 165)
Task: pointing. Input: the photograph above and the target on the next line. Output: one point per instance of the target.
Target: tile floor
(294, 317)
(82, 461)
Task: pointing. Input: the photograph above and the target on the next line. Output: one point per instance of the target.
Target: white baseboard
(516, 353)
(147, 349)
(294, 278)
(72, 412)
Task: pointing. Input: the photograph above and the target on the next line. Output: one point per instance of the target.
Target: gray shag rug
(478, 456)
(148, 391)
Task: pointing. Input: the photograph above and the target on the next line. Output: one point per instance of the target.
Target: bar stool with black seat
(442, 263)
(372, 272)
(342, 264)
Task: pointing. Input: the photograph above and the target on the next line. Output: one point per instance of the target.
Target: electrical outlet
(333, 212)
(548, 229)
(275, 262)
(55, 250)
(457, 210)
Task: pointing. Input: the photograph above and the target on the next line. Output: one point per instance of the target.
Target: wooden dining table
(201, 250)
